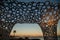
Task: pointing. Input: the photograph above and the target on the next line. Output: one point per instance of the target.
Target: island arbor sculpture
(46, 14)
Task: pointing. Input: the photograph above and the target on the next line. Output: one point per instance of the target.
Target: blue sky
(37, 0)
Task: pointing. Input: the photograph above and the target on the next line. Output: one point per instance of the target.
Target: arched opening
(28, 30)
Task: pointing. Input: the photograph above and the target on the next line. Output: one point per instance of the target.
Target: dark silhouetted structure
(46, 14)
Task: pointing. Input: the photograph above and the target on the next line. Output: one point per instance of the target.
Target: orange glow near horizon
(27, 34)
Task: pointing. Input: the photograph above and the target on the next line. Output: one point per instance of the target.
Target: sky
(26, 29)
(58, 1)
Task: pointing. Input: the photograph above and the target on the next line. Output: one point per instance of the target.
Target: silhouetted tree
(14, 32)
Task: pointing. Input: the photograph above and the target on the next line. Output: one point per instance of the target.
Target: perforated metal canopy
(31, 12)
(46, 14)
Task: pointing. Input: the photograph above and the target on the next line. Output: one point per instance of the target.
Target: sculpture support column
(48, 23)
(5, 29)
(49, 32)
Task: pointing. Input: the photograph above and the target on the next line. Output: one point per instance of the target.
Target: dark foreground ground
(26, 38)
